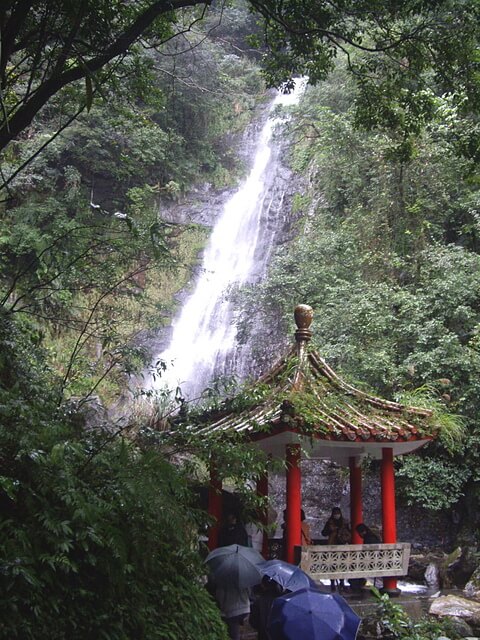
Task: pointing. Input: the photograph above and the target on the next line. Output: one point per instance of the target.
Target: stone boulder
(432, 575)
(472, 588)
(461, 627)
(459, 567)
(89, 414)
(453, 606)
(426, 568)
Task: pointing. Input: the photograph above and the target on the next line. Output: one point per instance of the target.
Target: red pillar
(294, 501)
(356, 507)
(389, 520)
(262, 491)
(214, 506)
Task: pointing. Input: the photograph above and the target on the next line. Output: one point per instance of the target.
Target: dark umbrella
(311, 615)
(235, 565)
(288, 576)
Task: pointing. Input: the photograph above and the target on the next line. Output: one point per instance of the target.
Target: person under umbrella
(308, 614)
(288, 576)
(265, 594)
(233, 570)
(234, 605)
(235, 564)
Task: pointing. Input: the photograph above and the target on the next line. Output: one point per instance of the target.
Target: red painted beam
(389, 519)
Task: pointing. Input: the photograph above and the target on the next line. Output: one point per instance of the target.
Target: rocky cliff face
(263, 201)
(325, 485)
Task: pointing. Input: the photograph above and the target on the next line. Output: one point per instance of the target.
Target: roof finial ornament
(303, 319)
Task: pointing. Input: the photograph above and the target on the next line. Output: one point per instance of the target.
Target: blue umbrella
(288, 576)
(235, 565)
(311, 615)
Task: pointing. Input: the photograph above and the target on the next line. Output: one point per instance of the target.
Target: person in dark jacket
(265, 593)
(232, 532)
(337, 530)
(369, 537)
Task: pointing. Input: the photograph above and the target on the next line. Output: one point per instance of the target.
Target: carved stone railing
(355, 560)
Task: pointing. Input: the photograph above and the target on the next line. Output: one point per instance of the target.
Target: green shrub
(98, 537)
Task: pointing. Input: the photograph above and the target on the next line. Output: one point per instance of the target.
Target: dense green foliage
(47, 46)
(401, 55)
(391, 622)
(99, 532)
(99, 537)
(387, 255)
(86, 251)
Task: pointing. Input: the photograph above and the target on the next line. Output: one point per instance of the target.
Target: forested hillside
(87, 259)
(387, 255)
(94, 526)
(111, 110)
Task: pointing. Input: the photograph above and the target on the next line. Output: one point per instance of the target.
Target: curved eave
(342, 414)
(324, 447)
(345, 422)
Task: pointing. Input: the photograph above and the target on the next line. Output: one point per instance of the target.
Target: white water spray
(204, 334)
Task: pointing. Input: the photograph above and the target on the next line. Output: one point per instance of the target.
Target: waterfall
(203, 340)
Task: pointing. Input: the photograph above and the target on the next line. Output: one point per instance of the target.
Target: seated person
(369, 537)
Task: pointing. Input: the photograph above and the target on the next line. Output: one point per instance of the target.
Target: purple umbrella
(311, 615)
(288, 576)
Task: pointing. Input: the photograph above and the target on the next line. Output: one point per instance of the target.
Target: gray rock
(472, 588)
(457, 607)
(460, 567)
(461, 627)
(432, 576)
(89, 414)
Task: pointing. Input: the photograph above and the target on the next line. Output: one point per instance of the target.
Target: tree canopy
(401, 54)
(46, 46)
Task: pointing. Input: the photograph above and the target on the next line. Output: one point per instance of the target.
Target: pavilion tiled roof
(303, 394)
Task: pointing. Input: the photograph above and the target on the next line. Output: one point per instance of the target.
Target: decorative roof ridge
(302, 394)
(323, 368)
(277, 367)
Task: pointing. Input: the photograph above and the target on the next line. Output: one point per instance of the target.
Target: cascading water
(204, 334)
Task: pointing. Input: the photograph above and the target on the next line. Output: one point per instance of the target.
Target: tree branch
(25, 114)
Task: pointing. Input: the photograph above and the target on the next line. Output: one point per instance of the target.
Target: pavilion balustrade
(354, 560)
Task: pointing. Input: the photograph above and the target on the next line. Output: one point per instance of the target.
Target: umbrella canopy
(312, 615)
(288, 576)
(235, 565)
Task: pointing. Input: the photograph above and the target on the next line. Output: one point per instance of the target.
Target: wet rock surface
(457, 607)
(90, 414)
(472, 588)
(460, 567)
(325, 485)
